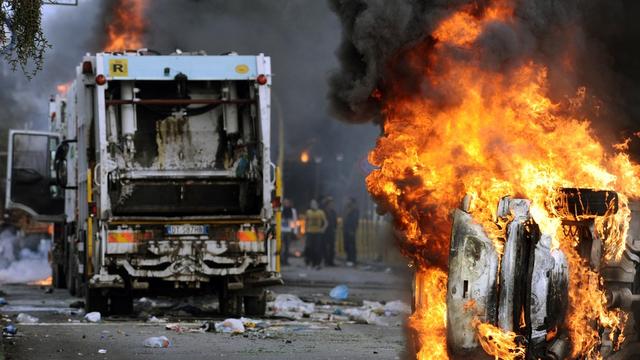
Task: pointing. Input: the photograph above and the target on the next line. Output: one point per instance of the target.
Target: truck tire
(255, 305)
(72, 275)
(230, 305)
(58, 278)
(96, 300)
(121, 302)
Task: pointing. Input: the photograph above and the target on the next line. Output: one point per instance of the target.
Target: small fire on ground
(43, 282)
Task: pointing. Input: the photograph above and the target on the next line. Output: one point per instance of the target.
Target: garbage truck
(158, 177)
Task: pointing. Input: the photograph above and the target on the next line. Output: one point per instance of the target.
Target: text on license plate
(186, 229)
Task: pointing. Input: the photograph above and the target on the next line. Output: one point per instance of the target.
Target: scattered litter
(184, 328)
(26, 319)
(93, 317)
(157, 342)
(3, 301)
(369, 313)
(396, 307)
(340, 292)
(234, 326)
(102, 351)
(9, 330)
(77, 304)
(291, 307)
(154, 319)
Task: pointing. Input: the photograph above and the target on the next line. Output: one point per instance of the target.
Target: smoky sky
(598, 34)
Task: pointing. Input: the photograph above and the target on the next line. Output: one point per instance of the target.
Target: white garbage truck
(157, 174)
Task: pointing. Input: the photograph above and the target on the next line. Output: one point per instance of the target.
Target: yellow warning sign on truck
(118, 67)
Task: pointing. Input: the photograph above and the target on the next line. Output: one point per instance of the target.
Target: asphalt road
(62, 334)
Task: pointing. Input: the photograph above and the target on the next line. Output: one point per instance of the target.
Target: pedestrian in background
(289, 229)
(315, 226)
(329, 237)
(349, 227)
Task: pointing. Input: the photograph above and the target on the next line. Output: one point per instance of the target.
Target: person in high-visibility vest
(315, 225)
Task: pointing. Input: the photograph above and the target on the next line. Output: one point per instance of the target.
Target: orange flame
(43, 282)
(430, 318)
(126, 29)
(63, 88)
(503, 135)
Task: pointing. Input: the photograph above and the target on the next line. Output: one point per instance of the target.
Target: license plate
(186, 229)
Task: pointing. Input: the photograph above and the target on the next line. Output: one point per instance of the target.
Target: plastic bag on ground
(364, 316)
(340, 292)
(397, 307)
(286, 304)
(26, 319)
(157, 342)
(234, 326)
(93, 316)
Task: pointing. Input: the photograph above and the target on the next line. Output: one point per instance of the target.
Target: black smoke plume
(598, 35)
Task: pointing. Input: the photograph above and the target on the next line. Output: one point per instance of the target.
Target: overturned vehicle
(520, 284)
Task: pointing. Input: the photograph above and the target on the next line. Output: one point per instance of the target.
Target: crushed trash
(186, 328)
(153, 319)
(26, 319)
(157, 342)
(233, 326)
(93, 317)
(3, 301)
(102, 351)
(396, 307)
(371, 312)
(9, 330)
(340, 292)
(291, 307)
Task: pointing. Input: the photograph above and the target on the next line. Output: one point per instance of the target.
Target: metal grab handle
(273, 175)
(95, 175)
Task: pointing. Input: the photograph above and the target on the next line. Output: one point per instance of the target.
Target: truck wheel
(96, 300)
(72, 271)
(255, 305)
(58, 280)
(231, 305)
(121, 302)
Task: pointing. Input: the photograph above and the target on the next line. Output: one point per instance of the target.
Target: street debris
(153, 319)
(291, 307)
(396, 307)
(93, 317)
(234, 326)
(340, 292)
(26, 319)
(186, 328)
(9, 330)
(102, 351)
(157, 342)
(3, 301)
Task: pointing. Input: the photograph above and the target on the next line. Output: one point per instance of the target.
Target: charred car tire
(255, 305)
